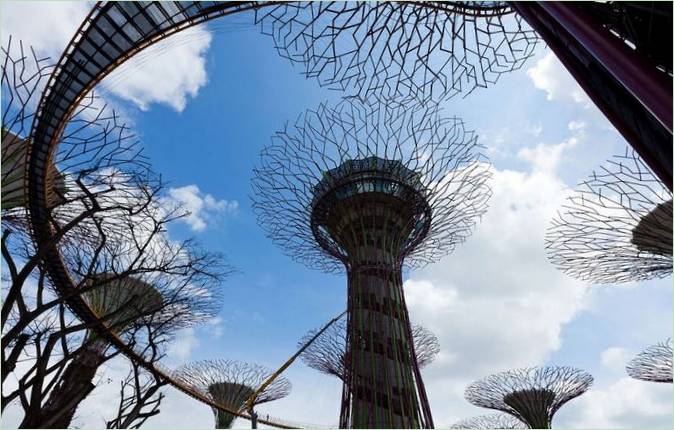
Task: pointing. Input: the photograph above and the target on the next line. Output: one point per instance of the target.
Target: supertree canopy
(368, 188)
(426, 50)
(617, 227)
(492, 421)
(653, 364)
(327, 353)
(231, 383)
(532, 395)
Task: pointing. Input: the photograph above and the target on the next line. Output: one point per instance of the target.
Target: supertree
(231, 383)
(327, 353)
(617, 227)
(426, 50)
(654, 364)
(532, 395)
(368, 189)
(492, 421)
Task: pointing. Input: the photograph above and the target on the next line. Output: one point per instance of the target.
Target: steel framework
(654, 364)
(111, 34)
(366, 189)
(231, 383)
(424, 50)
(532, 395)
(327, 353)
(492, 421)
(617, 227)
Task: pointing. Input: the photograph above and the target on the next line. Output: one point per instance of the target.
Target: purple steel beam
(645, 83)
(622, 105)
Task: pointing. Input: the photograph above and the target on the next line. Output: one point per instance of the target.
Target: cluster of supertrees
(376, 183)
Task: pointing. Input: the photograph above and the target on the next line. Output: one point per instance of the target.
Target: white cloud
(546, 158)
(550, 76)
(180, 350)
(615, 358)
(169, 72)
(496, 303)
(627, 403)
(203, 208)
(577, 125)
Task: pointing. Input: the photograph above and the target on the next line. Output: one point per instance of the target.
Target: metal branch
(617, 227)
(532, 395)
(653, 364)
(423, 50)
(493, 421)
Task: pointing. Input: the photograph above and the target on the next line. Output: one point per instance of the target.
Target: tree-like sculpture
(617, 227)
(532, 395)
(327, 353)
(426, 50)
(368, 188)
(654, 364)
(231, 383)
(492, 421)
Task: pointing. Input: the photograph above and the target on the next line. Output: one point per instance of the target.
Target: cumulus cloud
(546, 158)
(615, 358)
(169, 72)
(203, 208)
(482, 301)
(549, 75)
(627, 403)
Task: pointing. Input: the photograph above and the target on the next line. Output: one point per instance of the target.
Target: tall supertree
(654, 364)
(617, 227)
(327, 353)
(492, 421)
(426, 50)
(532, 395)
(231, 383)
(368, 189)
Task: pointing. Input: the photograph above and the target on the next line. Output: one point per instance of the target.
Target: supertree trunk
(75, 384)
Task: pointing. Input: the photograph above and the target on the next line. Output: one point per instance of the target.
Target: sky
(205, 102)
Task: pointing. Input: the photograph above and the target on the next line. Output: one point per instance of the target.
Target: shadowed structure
(327, 353)
(366, 189)
(617, 227)
(425, 50)
(231, 383)
(532, 395)
(654, 364)
(492, 421)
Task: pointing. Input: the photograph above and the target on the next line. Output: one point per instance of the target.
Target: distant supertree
(654, 364)
(231, 383)
(368, 188)
(492, 421)
(327, 353)
(532, 395)
(425, 50)
(617, 227)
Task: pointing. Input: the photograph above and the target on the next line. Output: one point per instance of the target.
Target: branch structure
(368, 188)
(327, 353)
(424, 50)
(532, 395)
(492, 421)
(617, 227)
(654, 364)
(231, 383)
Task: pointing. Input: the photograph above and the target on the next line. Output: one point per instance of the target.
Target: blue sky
(204, 108)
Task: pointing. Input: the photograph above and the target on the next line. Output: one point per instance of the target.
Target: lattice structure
(368, 188)
(492, 421)
(617, 227)
(532, 395)
(231, 383)
(654, 364)
(426, 50)
(327, 353)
